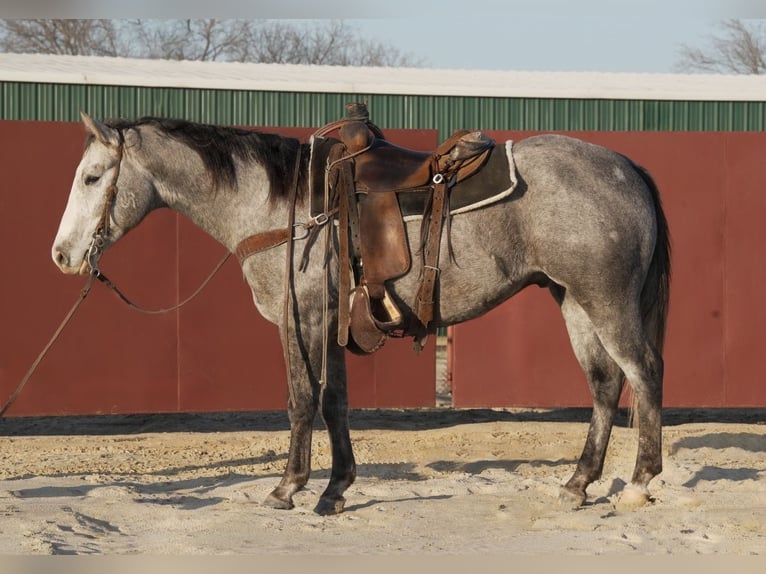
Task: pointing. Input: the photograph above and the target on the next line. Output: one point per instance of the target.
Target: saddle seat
(373, 173)
(385, 167)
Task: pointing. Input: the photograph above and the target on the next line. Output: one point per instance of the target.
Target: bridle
(92, 256)
(101, 232)
(260, 242)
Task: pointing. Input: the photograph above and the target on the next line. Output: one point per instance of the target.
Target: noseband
(101, 233)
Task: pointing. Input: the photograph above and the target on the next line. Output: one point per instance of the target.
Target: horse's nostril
(60, 258)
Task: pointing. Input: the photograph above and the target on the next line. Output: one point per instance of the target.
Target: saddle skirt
(375, 187)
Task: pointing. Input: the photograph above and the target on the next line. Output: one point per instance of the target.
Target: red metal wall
(217, 353)
(712, 185)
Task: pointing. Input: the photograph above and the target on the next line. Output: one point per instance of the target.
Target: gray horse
(583, 221)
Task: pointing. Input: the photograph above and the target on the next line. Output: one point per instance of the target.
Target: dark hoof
(273, 500)
(330, 506)
(571, 500)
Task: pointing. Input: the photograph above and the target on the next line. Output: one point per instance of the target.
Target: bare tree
(205, 40)
(268, 41)
(740, 48)
(331, 43)
(74, 37)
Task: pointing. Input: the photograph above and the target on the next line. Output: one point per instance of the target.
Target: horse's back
(558, 164)
(583, 206)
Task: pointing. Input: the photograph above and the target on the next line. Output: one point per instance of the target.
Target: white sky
(546, 35)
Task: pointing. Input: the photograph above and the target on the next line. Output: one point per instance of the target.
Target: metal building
(56, 88)
(701, 136)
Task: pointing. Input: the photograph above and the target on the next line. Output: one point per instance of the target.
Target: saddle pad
(495, 181)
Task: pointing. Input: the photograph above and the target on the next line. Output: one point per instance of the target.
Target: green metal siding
(63, 102)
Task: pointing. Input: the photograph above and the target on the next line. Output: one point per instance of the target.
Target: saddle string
(325, 289)
(289, 280)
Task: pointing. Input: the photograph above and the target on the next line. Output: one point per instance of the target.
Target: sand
(430, 482)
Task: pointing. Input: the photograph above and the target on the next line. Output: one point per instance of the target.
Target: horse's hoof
(273, 500)
(570, 500)
(632, 497)
(330, 506)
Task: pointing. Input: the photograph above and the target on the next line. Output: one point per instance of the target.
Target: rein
(95, 250)
(249, 246)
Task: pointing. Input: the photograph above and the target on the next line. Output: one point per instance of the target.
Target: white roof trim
(368, 80)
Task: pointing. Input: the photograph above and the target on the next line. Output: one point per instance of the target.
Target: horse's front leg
(301, 415)
(334, 400)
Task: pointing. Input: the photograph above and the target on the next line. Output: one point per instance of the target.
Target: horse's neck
(228, 215)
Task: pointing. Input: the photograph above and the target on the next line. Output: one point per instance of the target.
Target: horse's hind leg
(605, 380)
(621, 332)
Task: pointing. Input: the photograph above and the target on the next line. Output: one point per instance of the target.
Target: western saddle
(364, 175)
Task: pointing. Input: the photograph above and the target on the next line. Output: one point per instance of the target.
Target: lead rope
(15, 395)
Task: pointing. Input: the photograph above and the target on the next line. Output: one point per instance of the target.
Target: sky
(544, 35)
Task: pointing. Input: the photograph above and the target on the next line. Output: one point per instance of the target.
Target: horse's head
(110, 195)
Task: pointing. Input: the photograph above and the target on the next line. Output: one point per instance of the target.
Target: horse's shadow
(187, 494)
(752, 442)
(200, 492)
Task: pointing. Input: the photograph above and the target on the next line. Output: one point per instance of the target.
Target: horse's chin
(83, 269)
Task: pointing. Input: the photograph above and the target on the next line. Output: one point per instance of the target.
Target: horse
(584, 221)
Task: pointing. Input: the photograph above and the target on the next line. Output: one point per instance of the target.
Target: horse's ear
(99, 130)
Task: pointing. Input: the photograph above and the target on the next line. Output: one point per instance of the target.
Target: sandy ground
(430, 482)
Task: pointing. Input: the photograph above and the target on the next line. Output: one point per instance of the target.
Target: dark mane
(218, 146)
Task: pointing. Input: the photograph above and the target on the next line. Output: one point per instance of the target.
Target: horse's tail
(656, 292)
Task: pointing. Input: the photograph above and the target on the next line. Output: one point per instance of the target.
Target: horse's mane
(218, 146)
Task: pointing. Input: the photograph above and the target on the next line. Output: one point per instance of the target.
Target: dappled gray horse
(583, 221)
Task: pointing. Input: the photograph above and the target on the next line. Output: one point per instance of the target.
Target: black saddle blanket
(495, 181)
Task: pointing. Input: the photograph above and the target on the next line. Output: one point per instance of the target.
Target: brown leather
(370, 172)
(385, 251)
(260, 242)
(367, 336)
(386, 167)
(424, 300)
(345, 196)
(355, 136)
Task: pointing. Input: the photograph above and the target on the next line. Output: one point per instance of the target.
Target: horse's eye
(91, 179)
